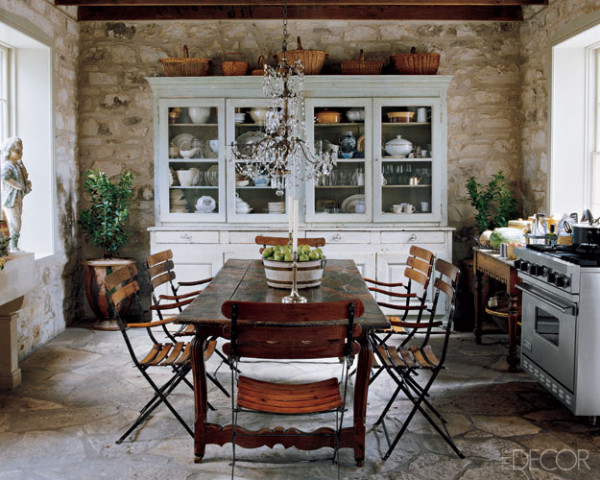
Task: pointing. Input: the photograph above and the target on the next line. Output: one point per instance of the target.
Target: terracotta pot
(95, 271)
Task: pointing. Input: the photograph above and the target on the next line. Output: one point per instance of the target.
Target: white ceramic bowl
(199, 114)
(399, 147)
(355, 114)
(259, 115)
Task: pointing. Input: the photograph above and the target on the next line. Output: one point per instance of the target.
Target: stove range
(560, 321)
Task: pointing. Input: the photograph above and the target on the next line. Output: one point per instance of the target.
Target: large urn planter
(95, 272)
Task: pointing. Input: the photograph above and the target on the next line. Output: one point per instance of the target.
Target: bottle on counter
(551, 236)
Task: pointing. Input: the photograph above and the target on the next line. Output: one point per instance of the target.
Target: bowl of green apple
(279, 266)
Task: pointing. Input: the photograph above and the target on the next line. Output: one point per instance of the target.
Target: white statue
(15, 185)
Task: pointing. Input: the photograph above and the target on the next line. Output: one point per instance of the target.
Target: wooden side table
(488, 264)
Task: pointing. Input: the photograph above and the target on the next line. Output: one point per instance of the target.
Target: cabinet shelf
(194, 160)
(193, 125)
(339, 186)
(407, 186)
(388, 158)
(340, 124)
(405, 124)
(195, 187)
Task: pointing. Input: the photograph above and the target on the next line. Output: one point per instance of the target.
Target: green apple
(278, 257)
(288, 257)
(303, 257)
(314, 255)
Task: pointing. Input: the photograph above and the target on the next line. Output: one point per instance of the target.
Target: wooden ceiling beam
(458, 13)
(273, 3)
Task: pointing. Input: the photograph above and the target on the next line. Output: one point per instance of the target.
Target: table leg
(361, 390)
(514, 314)
(478, 305)
(199, 376)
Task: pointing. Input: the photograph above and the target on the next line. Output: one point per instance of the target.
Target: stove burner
(585, 254)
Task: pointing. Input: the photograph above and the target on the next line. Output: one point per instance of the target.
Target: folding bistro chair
(160, 268)
(167, 353)
(419, 267)
(274, 331)
(403, 362)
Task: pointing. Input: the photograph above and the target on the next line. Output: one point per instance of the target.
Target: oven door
(548, 332)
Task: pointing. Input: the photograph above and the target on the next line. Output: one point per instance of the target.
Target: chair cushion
(288, 398)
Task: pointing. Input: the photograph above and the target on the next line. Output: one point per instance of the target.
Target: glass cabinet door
(251, 197)
(340, 127)
(191, 168)
(406, 174)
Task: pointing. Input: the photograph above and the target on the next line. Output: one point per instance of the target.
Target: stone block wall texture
(536, 32)
(54, 301)
(483, 101)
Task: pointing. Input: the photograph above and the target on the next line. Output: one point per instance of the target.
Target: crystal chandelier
(281, 152)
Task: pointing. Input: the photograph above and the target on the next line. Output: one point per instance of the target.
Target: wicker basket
(308, 274)
(414, 63)
(233, 68)
(361, 66)
(260, 67)
(312, 60)
(186, 66)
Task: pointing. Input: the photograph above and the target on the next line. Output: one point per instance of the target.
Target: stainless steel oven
(549, 333)
(560, 323)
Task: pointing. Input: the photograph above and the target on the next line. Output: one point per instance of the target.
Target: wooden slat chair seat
(161, 270)
(404, 362)
(294, 332)
(167, 353)
(418, 271)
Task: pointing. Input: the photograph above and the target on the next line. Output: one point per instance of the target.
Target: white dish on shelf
(349, 204)
(247, 139)
(205, 204)
(242, 183)
(182, 138)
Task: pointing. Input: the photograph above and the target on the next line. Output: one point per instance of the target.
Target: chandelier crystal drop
(281, 152)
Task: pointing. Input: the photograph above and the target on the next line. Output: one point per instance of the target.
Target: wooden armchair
(281, 241)
(273, 331)
(158, 354)
(403, 363)
(418, 271)
(160, 267)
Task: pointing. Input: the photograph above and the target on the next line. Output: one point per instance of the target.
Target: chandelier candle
(295, 233)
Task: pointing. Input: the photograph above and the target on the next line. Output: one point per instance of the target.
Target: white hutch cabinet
(371, 208)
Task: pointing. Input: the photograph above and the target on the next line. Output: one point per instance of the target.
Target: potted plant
(104, 225)
(495, 202)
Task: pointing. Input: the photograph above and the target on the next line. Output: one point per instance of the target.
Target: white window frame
(574, 120)
(30, 77)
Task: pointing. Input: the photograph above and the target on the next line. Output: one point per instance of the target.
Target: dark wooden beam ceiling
(483, 10)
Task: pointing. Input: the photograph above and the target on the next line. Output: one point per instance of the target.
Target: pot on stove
(586, 233)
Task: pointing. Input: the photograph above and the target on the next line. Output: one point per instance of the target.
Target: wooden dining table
(244, 280)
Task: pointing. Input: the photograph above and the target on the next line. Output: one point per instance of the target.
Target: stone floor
(80, 392)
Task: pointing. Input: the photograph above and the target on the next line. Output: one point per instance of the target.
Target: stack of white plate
(276, 207)
(178, 202)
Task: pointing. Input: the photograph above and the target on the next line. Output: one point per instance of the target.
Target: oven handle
(569, 309)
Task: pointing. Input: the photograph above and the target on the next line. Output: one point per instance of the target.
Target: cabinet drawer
(343, 237)
(186, 237)
(250, 237)
(415, 237)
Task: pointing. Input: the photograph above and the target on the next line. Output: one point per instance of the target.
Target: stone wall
(536, 31)
(54, 301)
(116, 104)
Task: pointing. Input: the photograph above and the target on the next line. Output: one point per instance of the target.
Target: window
(4, 77)
(26, 111)
(575, 119)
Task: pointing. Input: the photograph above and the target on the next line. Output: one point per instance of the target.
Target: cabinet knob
(186, 236)
(336, 238)
(412, 238)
